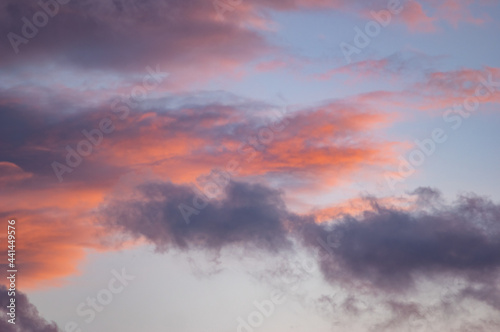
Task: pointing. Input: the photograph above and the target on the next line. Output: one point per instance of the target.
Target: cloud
(316, 146)
(424, 88)
(27, 316)
(183, 36)
(306, 144)
(444, 89)
(11, 172)
(203, 132)
(387, 256)
(387, 247)
(247, 215)
(455, 12)
(52, 241)
(402, 67)
(126, 36)
(415, 17)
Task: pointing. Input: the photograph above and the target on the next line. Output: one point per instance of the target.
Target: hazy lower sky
(236, 165)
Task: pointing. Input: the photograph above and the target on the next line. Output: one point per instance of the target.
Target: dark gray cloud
(246, 215)
(27, 316)
(386, 247)
(389, 247)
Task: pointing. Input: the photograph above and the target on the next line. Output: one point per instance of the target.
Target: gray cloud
(247, 215)
(389, 247)
(27, 316)
(386, 247)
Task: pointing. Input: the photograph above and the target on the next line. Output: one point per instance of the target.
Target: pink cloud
(415, 17)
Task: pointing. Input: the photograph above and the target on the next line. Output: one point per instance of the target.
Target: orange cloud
(361, 205)
(311, 144)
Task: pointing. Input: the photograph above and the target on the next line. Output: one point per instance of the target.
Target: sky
(236, 165)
